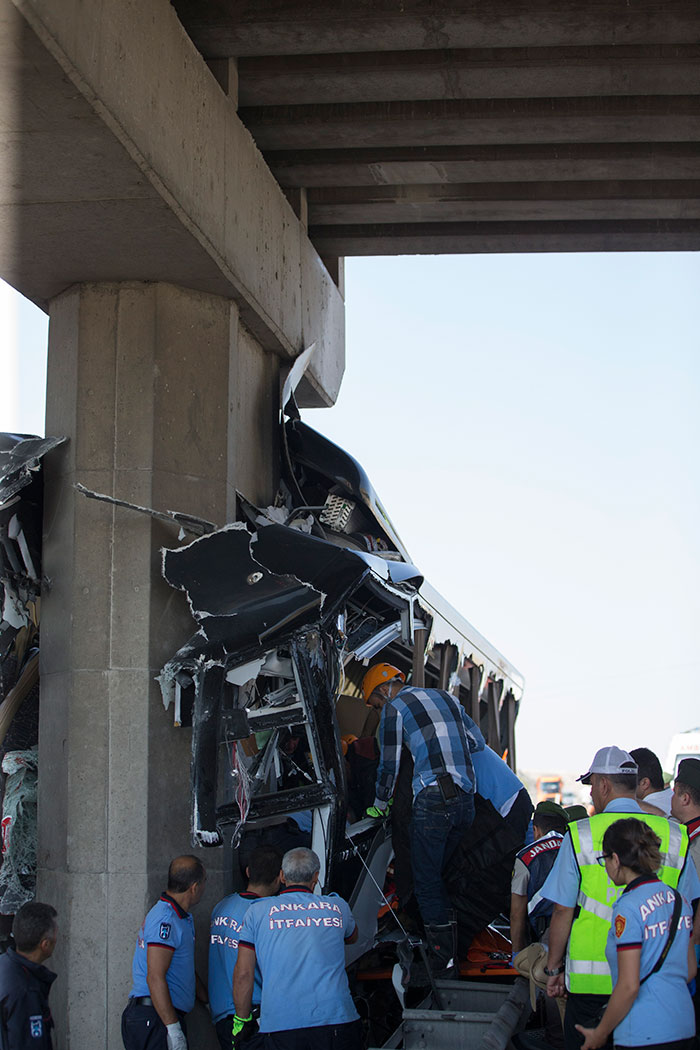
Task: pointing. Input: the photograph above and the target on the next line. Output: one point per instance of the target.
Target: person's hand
(176, 1037)
(243, 1028)
(556, 986)
(379, 809)
(591, 1038)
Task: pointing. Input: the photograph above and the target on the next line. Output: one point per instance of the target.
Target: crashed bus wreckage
(21, 507)
(293, 602)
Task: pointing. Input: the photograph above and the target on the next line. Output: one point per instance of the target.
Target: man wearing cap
(441, 737)
(685, 807)
(575, 812)
(530, 913)
(583, 894)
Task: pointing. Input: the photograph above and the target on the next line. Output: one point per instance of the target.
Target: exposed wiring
(242, 792)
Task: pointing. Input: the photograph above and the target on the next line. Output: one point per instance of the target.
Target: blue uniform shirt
(226, 925)
(495, 780)
(168, 926)
(299, 941)
(564, 879)
(663, 1010)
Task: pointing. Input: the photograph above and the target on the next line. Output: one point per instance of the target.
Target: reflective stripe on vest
(587, 971)
(586, 966)
(603, 911)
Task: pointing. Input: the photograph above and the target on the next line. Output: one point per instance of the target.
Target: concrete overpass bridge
(180, 186)
(445, 127)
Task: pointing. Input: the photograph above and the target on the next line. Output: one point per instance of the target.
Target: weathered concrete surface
(168, 402)
(127, 161)
(285, 27)
(634, 235)
(632, 199)
(515, 72)
(475, 122)
(525, 163)
(518, 98)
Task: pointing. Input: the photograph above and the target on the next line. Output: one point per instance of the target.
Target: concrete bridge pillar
(169, 403)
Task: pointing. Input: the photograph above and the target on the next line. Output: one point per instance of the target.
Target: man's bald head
(184, 872)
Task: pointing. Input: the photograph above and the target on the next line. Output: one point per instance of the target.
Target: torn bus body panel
(322, 473)
(20, 459)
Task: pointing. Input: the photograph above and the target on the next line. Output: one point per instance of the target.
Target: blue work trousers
(437, 825)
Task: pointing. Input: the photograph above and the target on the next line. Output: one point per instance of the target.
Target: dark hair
(183, 873)
(264, 865)
(649, 766)
(635, 844)
(688, 789)
(31, 924)
(547, 822)
(628, 781)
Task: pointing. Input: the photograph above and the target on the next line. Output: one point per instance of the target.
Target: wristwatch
(556, 972)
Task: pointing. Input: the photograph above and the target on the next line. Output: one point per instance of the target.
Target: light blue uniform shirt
(299, 941)
(663, 1009)
(563, 882)
(303, 820)
(167, 926)
(226, 925)
(495, 780)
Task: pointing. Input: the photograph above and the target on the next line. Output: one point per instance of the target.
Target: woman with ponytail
(649, 949)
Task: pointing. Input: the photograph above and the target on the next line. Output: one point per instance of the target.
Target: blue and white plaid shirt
(436, 730)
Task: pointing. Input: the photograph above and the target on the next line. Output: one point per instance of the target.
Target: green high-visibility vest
(587, 971)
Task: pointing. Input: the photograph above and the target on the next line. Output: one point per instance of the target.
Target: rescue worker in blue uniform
(264, 873)
(613, 782)
(649, 949)
(496, 782)
(298, 941)
(25, 1017)
(530, 913)
(164, 980)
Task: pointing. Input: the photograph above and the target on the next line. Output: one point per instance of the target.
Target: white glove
(176, 1037)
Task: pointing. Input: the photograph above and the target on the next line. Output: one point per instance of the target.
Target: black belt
(145, 1000)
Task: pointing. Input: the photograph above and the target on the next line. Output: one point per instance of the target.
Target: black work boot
(442, 949)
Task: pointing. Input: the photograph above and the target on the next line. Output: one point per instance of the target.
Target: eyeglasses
(601, 858)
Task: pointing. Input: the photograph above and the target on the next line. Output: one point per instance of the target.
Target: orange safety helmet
(378, 674)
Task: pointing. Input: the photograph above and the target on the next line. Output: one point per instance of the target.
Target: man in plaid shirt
(441, 737)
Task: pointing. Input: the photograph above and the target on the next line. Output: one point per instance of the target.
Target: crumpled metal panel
(245, 589)
(234, 598)
(308, 448)
(20, 455)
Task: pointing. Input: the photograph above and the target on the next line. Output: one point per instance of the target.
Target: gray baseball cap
(608, 761)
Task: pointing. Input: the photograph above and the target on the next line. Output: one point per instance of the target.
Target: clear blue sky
(531, 424)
